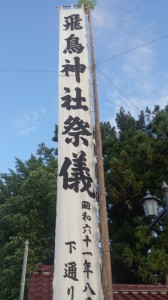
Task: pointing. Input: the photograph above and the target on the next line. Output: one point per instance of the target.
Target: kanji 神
(70, 291)
(76, 129)
(71, 271)
(77, 101)
(86, 205)
(71, 246)
(90, 289)
(87, 240)
(87, 227)
(73, 45)
(87, 268)
(72, 22)
(77, 68)
(80, 174)
(85, 216)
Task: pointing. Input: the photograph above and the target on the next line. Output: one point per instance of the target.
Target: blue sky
(29, 42)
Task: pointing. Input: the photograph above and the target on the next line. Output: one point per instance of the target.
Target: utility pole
(22, 286)
(106, 260)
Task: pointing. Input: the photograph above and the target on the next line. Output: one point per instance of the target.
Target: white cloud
(138, 78)
(138, 74)
(134, 105)
(27, 122)
(43, 111)
(100, 17)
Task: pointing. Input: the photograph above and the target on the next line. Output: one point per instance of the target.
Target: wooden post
(106, 260)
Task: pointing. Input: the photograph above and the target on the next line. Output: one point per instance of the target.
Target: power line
(28, 71)
(132, 49)
(125, 96)
(99, 62)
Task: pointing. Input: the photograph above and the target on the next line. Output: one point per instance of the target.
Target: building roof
(140, 292)
(41, 288)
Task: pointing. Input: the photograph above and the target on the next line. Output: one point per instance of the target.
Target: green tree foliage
(27, 211)
(136, 159)
(87, 3)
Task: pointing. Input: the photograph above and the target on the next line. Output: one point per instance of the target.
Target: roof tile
(41, 288)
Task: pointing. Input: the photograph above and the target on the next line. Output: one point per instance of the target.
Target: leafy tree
(136, 160)
(27, 211)
(86, 3)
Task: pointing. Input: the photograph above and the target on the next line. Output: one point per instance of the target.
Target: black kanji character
(72, 22)
(77, 68)
(79, 174)
(69, 292)
(77, 100)
(87, 240)
(73, 45)
(76, 129)
(86, 205)
(71, 243)
(87, 253)
(71, 271)
(90, 289)
(85, 216)
(64, 172)
(86, 227)
(87, 268)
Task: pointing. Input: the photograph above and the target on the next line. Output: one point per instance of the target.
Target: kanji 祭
(76, 129)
